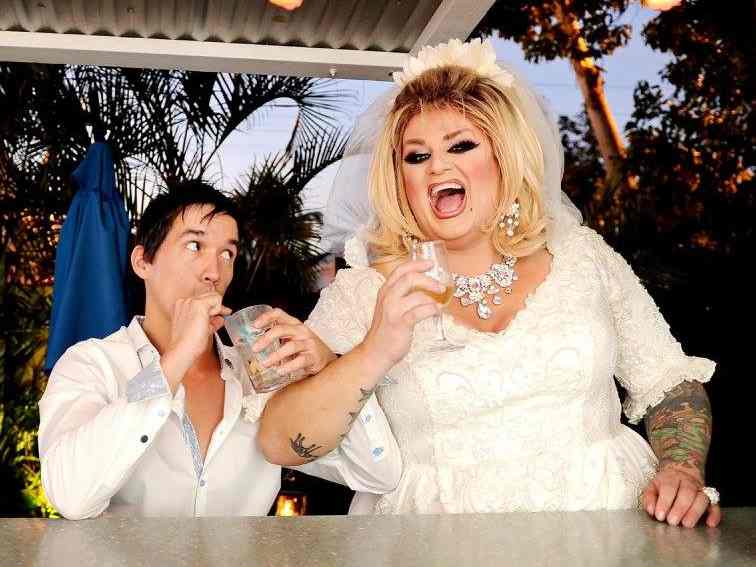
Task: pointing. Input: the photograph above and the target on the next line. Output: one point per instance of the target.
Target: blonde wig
(496, 111)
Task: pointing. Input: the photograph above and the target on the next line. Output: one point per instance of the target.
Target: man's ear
(138, 263)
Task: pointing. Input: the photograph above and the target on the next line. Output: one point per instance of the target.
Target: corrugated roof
(375, 25)
(359, 39)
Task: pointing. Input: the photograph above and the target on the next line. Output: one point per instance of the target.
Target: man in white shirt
(159, 418)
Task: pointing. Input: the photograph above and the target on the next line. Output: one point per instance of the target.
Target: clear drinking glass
(244, 336)
(435, 251)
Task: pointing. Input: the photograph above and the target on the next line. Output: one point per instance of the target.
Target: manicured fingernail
(660, 516)
(673, 520)
(650, 510)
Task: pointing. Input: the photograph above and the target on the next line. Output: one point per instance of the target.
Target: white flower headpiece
(476, 55)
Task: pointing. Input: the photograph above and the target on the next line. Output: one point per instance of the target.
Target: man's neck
(157, 327)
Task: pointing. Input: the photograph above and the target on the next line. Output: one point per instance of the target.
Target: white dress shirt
(112, 437)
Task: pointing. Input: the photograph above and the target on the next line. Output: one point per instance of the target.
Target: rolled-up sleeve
(367, 460)
(90, 437)
(148, 384)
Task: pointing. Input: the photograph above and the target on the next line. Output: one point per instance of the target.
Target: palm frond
(315, 153)
(321, 108)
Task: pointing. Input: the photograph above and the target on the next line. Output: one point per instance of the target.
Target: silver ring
(712, 494)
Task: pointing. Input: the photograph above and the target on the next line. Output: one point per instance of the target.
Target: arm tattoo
(365, 394)
(308, 452)
(300, 449)
(679, 428)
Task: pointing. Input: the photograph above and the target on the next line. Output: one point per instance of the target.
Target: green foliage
(583, 171)
(23, 345)
(539, 29)
(693, 147)
(280, 254)
(692, 137)
(162, 127)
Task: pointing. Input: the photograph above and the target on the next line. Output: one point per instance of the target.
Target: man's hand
(193, 323)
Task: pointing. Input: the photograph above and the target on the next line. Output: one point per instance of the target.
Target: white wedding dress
(527, 418)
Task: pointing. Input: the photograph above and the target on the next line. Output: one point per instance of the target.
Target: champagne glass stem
(440, 327)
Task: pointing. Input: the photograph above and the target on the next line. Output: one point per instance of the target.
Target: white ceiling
(349, 39)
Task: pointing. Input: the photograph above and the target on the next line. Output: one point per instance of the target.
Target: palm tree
(280, 253)
(162, 127)
(22, 351)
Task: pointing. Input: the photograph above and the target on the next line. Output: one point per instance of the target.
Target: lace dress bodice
(527, 418)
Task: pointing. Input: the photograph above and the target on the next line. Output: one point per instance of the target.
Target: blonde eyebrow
(449, 136)
(456, 133)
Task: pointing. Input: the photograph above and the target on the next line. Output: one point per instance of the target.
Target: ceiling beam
(77, 49)
(452, 19)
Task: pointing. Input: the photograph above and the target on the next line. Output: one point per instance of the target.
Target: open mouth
(447, 199)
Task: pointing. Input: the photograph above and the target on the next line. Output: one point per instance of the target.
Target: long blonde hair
(514, 144)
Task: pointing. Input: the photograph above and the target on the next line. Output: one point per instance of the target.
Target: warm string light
(291, 505)
(287, 4)
(661, 5)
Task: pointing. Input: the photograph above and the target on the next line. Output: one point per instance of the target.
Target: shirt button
(378, 451)
(161, 413)
(144, 439)
(202, 482)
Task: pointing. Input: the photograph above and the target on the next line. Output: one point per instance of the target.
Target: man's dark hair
(164, 209)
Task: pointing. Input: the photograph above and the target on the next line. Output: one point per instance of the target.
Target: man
(149, 420)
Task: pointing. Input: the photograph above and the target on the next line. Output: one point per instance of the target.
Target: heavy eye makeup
(458, 148)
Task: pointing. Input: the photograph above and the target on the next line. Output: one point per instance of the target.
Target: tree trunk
(591, 83)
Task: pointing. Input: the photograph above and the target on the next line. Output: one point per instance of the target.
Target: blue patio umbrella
(89, 293)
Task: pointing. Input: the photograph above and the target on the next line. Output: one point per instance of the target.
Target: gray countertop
(602, 538)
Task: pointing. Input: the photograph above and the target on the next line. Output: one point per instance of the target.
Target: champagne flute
(435, 251)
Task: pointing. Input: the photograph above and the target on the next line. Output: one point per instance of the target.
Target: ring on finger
(711, 493)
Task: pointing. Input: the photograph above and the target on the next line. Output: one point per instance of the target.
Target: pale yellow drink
(442, 298)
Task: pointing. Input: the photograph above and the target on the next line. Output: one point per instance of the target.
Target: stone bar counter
(605, 539)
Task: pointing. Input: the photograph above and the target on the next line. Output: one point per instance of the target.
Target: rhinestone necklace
(475, 289)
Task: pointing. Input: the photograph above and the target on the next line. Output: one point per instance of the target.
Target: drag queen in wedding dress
(522, 411)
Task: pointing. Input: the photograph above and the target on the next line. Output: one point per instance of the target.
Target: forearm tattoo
(364, 396)
(308, 451)
(679, 428)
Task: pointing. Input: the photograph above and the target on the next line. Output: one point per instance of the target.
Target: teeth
(438, 188)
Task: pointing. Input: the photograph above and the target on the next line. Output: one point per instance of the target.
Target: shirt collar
(231, 364)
